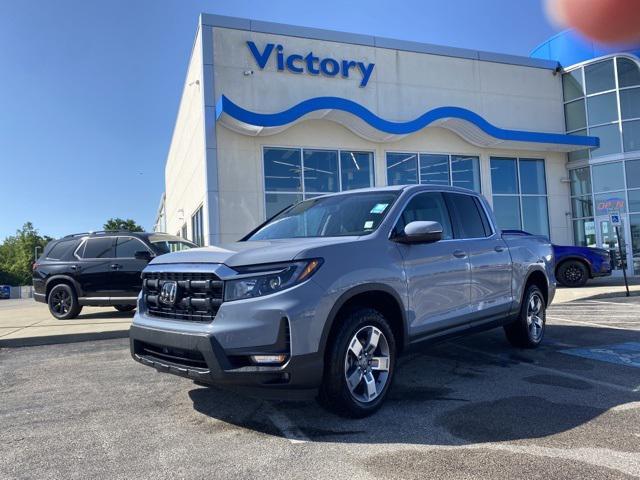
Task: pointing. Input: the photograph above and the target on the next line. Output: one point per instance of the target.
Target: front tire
(360, 364)
(528, 330)
(572, 273)
(63, 302)
(124, 308)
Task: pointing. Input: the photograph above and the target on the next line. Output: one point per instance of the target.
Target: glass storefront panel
(320, 171)
(532, 176)
(572, 86)
(609, 140)
(634, 224)
(631, 135)
(633, 173)
(504, 175)
(465, 172)
(607, 177)
(599, 77)
(605, 203)
(634, 201)
(629, 103)
(434, 169)
(275, 202)
(534, 215)
(575, 116)
(579, 154)
(356, 169)
(282, 169)
(609, 240)
(602, 108)
(582, 206)
(584, 232)
(507, 211)
(628, 73)
(580, 181)
(402, 168)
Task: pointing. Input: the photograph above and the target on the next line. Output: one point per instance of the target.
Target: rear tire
(124, 308)
(63, 302)
(572, 273)
(528, 330)
(360, 363)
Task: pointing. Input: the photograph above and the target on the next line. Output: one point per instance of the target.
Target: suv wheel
(359, 365)
(124, 308)
(573, 273)
(63, 302)
(527, 331)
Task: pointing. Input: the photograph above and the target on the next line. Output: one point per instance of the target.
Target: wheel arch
(380, 297)
(58, 279)
(538, 278)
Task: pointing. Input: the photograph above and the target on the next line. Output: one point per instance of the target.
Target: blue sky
(89, 90)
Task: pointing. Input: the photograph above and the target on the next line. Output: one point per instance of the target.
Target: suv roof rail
(97, 232)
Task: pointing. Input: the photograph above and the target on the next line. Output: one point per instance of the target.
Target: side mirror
(421, 232)
(143, 255)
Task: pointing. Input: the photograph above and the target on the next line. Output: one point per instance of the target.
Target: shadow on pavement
(474, 390)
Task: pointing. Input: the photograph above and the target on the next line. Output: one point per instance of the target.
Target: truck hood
(252, 252)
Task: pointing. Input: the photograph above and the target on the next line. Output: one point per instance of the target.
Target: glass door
(608, 240)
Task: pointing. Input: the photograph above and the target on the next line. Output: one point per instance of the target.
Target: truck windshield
(335, 216)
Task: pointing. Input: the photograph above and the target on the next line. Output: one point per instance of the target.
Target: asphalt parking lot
(471, 408)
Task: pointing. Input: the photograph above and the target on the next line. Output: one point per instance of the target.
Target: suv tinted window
(468, 223)
(126, 247)
(429, 206)
(99, 248)
(61, 249)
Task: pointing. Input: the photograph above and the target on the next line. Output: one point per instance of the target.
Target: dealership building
(272, 114)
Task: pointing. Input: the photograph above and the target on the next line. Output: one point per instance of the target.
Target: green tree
(121, 224)
(17, 255)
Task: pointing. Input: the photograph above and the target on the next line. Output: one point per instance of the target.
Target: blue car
(576, 265)
(5, 291)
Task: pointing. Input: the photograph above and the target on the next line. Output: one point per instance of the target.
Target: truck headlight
(261, 280)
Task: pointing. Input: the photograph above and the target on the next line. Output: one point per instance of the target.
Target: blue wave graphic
(398, 128)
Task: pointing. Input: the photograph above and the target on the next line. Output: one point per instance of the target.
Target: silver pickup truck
(328, 293)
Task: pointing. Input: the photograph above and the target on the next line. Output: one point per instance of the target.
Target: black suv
(97, 268)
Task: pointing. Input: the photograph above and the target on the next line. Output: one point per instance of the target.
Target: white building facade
(273, 114)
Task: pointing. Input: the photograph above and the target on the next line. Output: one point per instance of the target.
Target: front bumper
(219, 352)
(201, 358)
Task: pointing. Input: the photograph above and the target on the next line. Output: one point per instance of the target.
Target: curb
(60, 339)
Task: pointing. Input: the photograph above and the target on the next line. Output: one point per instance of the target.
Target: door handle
(459, 254)
(499, 248)
(115, 266)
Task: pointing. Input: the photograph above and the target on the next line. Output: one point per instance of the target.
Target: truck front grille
(198, 295)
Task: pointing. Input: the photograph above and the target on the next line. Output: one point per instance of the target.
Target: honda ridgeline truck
(328, 293)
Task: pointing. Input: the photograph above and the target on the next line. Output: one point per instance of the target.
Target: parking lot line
(283, 423)
(614, 386)
(592, 324)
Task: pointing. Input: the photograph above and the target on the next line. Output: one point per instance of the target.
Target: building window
(519, 189)
(435, 169)
(295, 174)
(603, 101)
(196, 228)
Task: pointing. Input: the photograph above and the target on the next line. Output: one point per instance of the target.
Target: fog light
(268, 358)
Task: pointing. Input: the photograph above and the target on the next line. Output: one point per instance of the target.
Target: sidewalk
(24, 322)
(604, 287)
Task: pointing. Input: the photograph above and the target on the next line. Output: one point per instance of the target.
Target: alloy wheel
(573, 274)
(535, 316)
(367, 363)
(61, 302)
